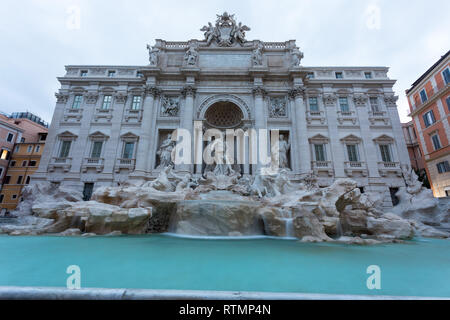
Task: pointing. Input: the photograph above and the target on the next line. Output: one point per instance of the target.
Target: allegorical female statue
(165, 152)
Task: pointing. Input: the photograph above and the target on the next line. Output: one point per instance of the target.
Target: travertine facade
(109, 121)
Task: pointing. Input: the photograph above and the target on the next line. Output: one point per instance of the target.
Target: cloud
(37, 42)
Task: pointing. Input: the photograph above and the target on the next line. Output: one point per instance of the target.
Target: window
(443, 167)
(111, 74)
(423, 96)
(1, 198)
(83, 73)
(136, 104)
(368, 75)
(106, 102)
(14, 197)
(96, 149)
(17, 148)
(139, 74)
(374, 104)
(29, 149)
(385, 150)
(352, 153)
(448, 103)
(428, 118)
(128, 150)
(310, 75)
(77, 101)
(32, 163)
(361, 189)
(313, 105)
(319, 150)
(446, 75)
(7, 179)
(28, 180)
(24, 163)
(37, 149)
(436, 141)
(343, 104)
(12, 163)
(19, 179)
(4, 155)
(10, 137)
(65, 148)
(22, 140)
(1, 172)
(339, 75)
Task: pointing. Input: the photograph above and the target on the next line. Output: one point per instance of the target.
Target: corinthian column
(143, 150)
(187, 122)
(260, 123)
(301, 130)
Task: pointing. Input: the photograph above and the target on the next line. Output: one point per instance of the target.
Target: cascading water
(289, 227)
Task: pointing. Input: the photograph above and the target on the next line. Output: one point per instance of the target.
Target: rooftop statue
(226, 31)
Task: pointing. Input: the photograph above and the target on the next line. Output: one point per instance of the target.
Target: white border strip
(54, 293)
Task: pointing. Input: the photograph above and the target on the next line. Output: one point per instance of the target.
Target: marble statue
(210, 33)
(191, 56)
(153, 53)
(165, 152)
(257, 55)
(282, 150)
(297, 57)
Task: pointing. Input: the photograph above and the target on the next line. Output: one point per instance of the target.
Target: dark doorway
(395, 199)
(87, 191)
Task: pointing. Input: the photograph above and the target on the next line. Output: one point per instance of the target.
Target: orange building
(429, 102)
(22, 139)
(412, 144)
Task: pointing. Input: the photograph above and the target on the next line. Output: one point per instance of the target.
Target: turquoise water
(417, 268)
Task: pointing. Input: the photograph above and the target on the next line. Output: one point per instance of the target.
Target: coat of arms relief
(226, 31)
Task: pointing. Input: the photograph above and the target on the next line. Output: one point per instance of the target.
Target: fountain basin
(415, 268)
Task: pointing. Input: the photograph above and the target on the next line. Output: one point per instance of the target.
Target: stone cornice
(61, 97)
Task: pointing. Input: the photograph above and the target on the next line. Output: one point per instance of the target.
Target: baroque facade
(110, 121)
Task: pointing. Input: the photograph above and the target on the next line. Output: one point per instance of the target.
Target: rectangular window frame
(320, 153)
(342, 105)
(354, 153)
(77, 101)
(436, 141)
(107, 100)
(127, 154)
(97, 148)
(423, 95)
(64, 149)
(386, 152)
(313, 104)
(136, 103)
(446, 75)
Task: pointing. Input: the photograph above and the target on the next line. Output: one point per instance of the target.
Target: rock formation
(231, 205)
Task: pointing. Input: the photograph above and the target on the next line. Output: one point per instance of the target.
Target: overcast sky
(39, 37)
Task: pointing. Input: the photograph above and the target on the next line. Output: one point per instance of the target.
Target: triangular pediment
(67, 134)
(351, 138)
(383, 138)
(318, 138)
(98, 135)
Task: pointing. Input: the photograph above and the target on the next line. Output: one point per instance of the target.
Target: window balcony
(75, 114)
(389, 167)
(101, 113)
(62, 163)
(355, 166)
(322, 166)
(378, 116)
(315, 116)
(344, 116)
(133, 115)
(123, 163)
(95, 163)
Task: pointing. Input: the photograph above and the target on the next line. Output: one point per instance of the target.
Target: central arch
(223, 115)
(238, 102)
